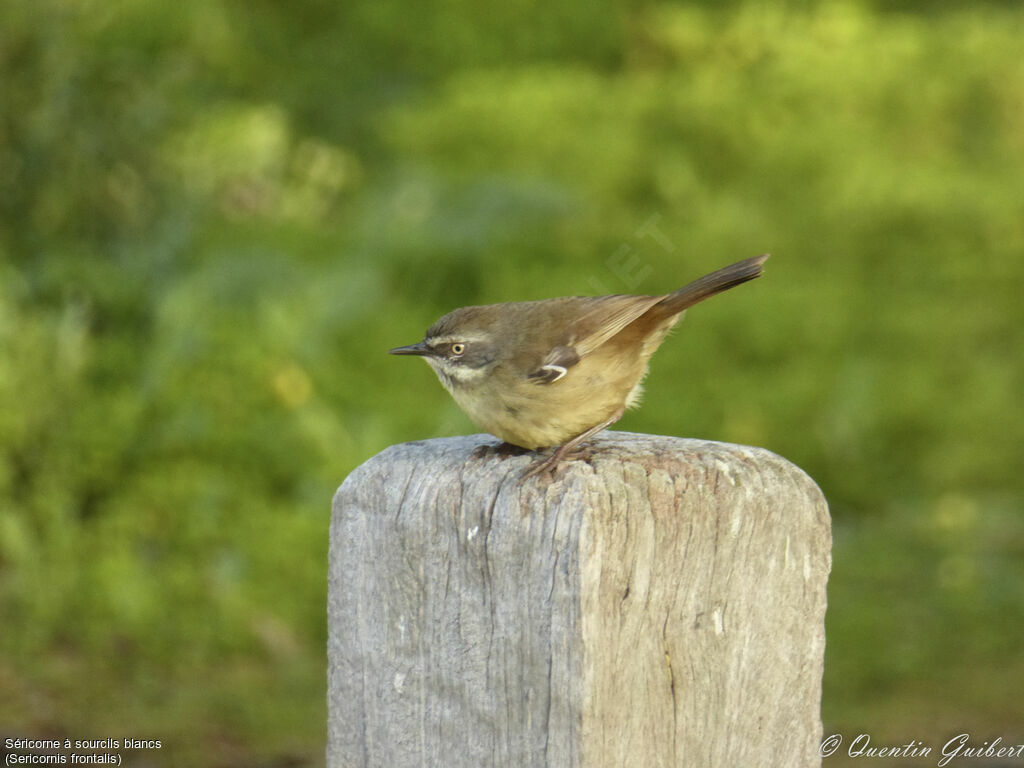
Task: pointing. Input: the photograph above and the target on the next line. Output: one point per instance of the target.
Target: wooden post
(660, 605)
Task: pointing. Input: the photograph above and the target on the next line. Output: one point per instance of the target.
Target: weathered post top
(661, 604)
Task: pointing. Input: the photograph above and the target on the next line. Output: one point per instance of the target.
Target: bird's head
(461, 347)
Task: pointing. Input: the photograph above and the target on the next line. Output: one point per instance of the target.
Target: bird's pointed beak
(420, 348)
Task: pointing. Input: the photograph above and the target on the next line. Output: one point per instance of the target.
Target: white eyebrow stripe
(451, 339)
(553, 368)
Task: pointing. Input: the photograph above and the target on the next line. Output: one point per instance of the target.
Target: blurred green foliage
(216, 216)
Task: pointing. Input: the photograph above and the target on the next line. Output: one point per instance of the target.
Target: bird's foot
(562, 455)
(574, 450)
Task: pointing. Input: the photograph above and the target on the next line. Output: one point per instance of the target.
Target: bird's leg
(563, 451)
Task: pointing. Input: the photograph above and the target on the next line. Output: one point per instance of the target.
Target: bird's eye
(458, 348)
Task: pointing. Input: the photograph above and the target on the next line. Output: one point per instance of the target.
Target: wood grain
(662, 604)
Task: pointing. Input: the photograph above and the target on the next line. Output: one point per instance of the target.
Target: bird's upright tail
(707, 286)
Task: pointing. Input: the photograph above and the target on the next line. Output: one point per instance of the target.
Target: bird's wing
(555, 365)
(608, 316)
(604, 317)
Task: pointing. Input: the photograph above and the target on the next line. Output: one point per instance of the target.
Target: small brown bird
(558, 371)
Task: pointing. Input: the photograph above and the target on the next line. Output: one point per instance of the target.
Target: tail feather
(707, 286)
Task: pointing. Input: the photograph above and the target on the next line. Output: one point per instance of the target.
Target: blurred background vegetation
(216, 216)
